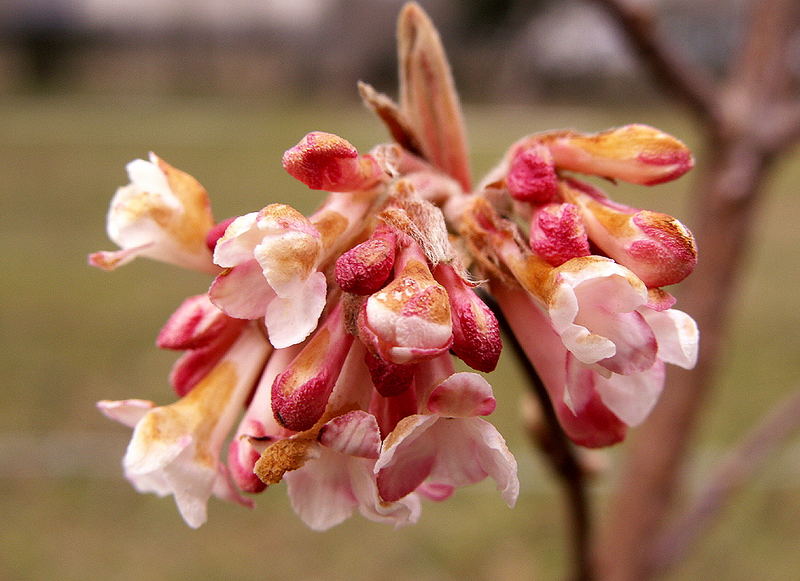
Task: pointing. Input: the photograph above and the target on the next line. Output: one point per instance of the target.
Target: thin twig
(739, 465)
(560, 454)
(669, 68)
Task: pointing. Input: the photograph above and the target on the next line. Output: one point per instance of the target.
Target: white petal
(290, 320)
(632, 397)
(320, 491)
(677, 335)
(127, 411)
(236, 245)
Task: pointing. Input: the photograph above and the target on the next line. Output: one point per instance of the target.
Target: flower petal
(677, 335)
(320, 491)
(462, 395)
(632, 397)
(241, 292)
(291, 319)
(354, 434)
(406, 458)
(127, 412)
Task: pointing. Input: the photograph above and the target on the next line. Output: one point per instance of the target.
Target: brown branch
(761, 71)
(669, 68)
(780, 128)
(731, 179)
(732, 473)
(559, 453)
(550, 439)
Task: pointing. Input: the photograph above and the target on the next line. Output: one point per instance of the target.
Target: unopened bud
(324, 161)
(532, 177)
(558, 234)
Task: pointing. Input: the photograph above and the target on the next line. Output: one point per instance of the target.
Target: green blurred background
(72, 335)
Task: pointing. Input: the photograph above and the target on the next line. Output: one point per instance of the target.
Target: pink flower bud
(476, 333)
(194, 324)
(532, 176)
(300, 394)
(636, 153)
(365, 268)
(654, 246)
(324, 161)
(389, 378)
(558, 234)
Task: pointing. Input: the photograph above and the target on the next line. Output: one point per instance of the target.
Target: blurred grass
(72, 335)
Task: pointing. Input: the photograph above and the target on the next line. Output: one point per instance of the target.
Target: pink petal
(354, 434)
(634, 340)
(677, 335)
(291, 319)
(632, 397)
(241, 292)
(470, 450)
(320, 491)
(462, 395)
(236, 245)
(127, 412)
(407, 457)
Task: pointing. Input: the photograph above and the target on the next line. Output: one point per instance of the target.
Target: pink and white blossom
(175, 449)
(449, 446)
(330, 337)
(163, 213)
(272, 258)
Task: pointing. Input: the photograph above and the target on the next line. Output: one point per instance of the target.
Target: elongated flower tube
(655, 246)
(258, 425)
(300, 393)
(175, 449)
(162, 214)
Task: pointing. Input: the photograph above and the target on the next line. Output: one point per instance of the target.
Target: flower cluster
(329, 338)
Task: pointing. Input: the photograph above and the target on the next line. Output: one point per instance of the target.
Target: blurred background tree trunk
(748, 119)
